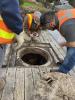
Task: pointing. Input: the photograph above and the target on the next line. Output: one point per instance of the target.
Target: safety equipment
(21, 38)
(32, 23)
(64, 15)
(6, 35)
(37, 16)
(30, 18)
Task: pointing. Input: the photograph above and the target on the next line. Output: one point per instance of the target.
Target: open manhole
(34, 56)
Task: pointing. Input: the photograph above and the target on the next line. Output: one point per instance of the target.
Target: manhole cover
(34, 56)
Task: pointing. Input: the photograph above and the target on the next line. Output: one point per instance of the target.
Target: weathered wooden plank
(36, 75)
(41, 38)
(2, 75)
(60, 48)
(57, 51)
(9, 87)
(48, 39)
(29, 88)
(12, 58)
(7, 55)
(19, 85)
(42, 89)
(37, 84)
(56, 44)
(53, 56)
(44, 35)
(3, 72)
(50, 50)
(42, 70)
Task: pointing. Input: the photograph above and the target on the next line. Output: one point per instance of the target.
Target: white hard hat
(38, 14)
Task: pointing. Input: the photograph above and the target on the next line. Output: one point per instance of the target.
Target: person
(11, 27)
(32, 23)
(64, 21)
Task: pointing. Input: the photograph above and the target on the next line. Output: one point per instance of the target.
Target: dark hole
(34, 59)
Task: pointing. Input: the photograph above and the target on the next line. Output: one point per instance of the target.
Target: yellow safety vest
(6, 35)
(30, 18)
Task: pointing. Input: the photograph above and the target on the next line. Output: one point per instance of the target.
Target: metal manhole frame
(49, 59)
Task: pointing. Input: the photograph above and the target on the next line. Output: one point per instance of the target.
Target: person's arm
(63, 44)
(11, 15)
(26, 27)
(25, 24)
(67, 44)
(56, 26)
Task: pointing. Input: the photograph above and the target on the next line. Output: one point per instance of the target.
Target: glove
(21, 38)
(34, 34)
(26, 37)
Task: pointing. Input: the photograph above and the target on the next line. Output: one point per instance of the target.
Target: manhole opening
(33, 56)
(34, 59)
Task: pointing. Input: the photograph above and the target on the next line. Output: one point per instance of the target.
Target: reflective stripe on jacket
(10, 13)
(6, 35)
(64, 15)
(30, 18)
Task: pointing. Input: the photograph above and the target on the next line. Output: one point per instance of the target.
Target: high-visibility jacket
(30, 19)
(64, 15)
(6, 35)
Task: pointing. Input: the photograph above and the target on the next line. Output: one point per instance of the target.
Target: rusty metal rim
(41, 51)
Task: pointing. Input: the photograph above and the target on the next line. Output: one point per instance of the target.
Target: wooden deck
(27, 83)
(45, 41)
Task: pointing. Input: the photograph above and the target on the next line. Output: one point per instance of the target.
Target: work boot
(54, 70)
(59, 63)
(2, 83)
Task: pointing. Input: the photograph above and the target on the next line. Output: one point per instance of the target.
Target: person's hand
(26, 37)
(34, 34)
(21, 38)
